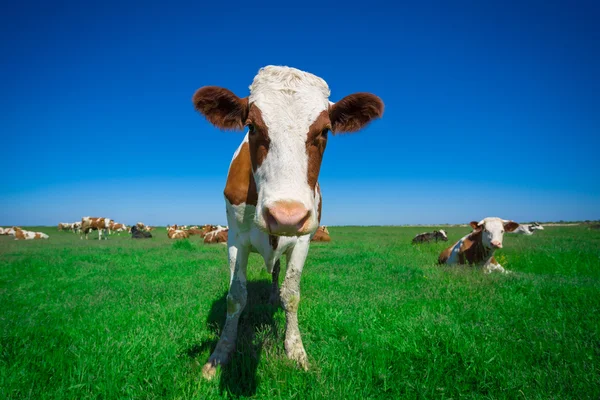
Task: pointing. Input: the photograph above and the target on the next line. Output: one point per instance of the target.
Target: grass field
(137, 320)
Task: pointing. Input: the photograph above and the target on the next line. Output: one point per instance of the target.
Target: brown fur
(94, 224)
(240, 187)
(195, 231)
(177, 234)
(221, 107)
(354, 112)
(320, 203)
(259, 138)
(37, 236)
(321, 235)
(19, 234)
(472, 250)
(316, 141)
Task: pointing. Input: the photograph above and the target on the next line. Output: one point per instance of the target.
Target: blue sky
(492, 108)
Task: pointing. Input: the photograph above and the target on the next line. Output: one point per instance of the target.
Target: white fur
(493, 231)
(290, 100)
(453, 259)
(443, 232)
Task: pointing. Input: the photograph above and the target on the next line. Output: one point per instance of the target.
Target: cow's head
(492, 230)
(442, 235)
(288, 116)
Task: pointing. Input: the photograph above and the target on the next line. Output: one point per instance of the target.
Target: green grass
(137, 320)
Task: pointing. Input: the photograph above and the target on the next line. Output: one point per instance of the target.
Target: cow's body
(175, 233)
(102, 225)
(64, 226)
(430, 236)
(272, 195)
(528, 229)
(219, 235)
(478, 247)
(21, 234)
(321, 235)
(137, 233)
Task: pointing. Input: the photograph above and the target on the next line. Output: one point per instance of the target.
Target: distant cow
(427, 237)
(20, 234)
(478, 246)
(7, 231)
(219, 235)
(95, 224)
(528, 229)
(174, 233)
(137, 233)
(116, 227)
(321, 235)
(64, 226)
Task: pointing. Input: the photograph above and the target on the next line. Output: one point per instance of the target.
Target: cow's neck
(480, 253)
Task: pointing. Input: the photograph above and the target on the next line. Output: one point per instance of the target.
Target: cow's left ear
(474, 225)
(354, 112)
(510, 226)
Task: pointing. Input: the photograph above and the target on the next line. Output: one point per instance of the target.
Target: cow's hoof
(298, 354)
(209, 371)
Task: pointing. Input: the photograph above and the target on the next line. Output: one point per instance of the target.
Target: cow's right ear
(221, 107)
(474, 225)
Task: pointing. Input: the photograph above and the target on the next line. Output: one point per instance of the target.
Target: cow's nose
(286, 217)
(497, 244)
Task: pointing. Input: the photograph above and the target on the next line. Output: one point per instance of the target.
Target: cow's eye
(251, 128)
(324, 132)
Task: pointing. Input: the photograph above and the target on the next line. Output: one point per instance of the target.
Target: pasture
(138, 319)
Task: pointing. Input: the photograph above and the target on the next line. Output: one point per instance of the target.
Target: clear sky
(492, 108)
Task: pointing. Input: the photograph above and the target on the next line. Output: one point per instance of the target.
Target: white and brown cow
(65, 226)
(21, 234)
(321, 235)
(95, 224)
(272, 195)
(218, 235)
(174, 233)
(478, 246)
(117, 227)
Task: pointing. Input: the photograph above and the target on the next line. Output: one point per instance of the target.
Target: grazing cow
(321, 235)
(272, 195)
(427, 237)
(175, 233)
(115, 227)
(20, 234)
(478, 246)
(218, 235)
(76, 227)
(95, 224)
(137, 233)
(528, 229)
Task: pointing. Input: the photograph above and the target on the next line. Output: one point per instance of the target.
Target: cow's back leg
(290, 299)
(236, 301)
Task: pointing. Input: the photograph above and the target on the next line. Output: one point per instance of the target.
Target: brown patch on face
(316, 141)
(221, 107)
(273, 241)
(354, 112)
(240, 187)
(258, 136)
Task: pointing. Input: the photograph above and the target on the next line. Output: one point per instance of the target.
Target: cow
(116, 227)
(175, 233)
(321, 235)
(219, 235)
(478, 247)
(137, 233)
(528, 229)
(63, 226)
(21, 234)
(272, 196)
(95, 224)
(195, 231)
(427, 237)
(9, 231)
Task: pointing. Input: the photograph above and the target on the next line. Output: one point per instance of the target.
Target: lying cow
(21, 234)
(102, 225)
(478, 246)
(137, 233)
(427, 237)
(272, 194)
(8, 231)
(219, 235)
(174, 233)
(321, 235)
(528, 229)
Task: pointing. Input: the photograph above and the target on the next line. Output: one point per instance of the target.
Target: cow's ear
(221, 107)
(510, 226)
(474, 225)
(354, 112)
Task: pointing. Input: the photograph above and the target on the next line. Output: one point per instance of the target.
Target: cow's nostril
(286, 217)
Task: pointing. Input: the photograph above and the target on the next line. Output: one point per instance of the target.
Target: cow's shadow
(256, 325)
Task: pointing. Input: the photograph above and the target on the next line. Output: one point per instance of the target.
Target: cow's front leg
(492, 266)
(236, 301)
(274, 298)
(290, 298)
